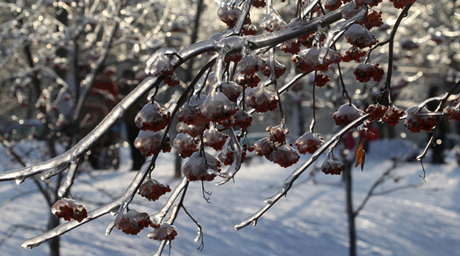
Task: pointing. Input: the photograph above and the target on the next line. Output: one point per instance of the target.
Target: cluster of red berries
(359, 36)
(353, 53)
(233, 57)
(250, 64)
(258, 3)
(392, 116)
(332, 5)
(370, 3)
(280, 69)
(346, 114)
(418, 119)
(332, 167)
(249, 30)
(217, 107)
(401, 3)
(284, 155)
(308, 60)
(149, 142)
(275, 148)
(454, 112)
(248, 81)
(260, 99)
(291, 46)
(373, 19)
(231, 89)
(152, 117)
(67, 209)
(376, 111)
(185, 144)
(321, 80)
(277, 133)
(171, 80)
(162, 232)
(191, 114)
(132, 222)
(241, 119)
(213, 138)
(153, 189)
(309, 143)
(229, 15)
(365, 71)
(159, 64)
(197, 167)
(192, 130)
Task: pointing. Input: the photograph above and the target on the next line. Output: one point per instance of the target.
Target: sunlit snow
(311, 220)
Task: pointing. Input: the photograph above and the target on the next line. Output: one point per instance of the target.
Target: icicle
(269, 201)
(19, 179)
(236, 165)
(109, 228)
(68, 179)
(198, 236)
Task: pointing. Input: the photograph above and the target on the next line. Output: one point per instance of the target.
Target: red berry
(152, 117)
(346, 114)
(260, 99)
(162, 232)
(284, 155)
(392, 116)
(197, 167)
(419, 119)
(376, 111)
(309, 143)
(277, 133)
(332, 167)
(133, 222)
(153, 189)
(353, 53)
(67, 209)
(360, 36)
(213, 138)
(321, 80)
(364, 72)
(186, 145)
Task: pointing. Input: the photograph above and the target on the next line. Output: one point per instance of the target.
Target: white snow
(311, 220)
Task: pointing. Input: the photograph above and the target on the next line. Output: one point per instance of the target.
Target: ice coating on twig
(159, 216)
(68, 182)
(236, 164)
(159, 64)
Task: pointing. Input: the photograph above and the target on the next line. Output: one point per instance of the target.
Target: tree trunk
(53, 222)
(178, 166)
(350, 211)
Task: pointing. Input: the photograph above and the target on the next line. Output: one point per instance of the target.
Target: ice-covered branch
(296, 174)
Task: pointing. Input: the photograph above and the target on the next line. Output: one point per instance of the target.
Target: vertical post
(350, 212)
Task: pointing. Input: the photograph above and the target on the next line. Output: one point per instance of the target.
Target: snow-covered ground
(311, 220)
